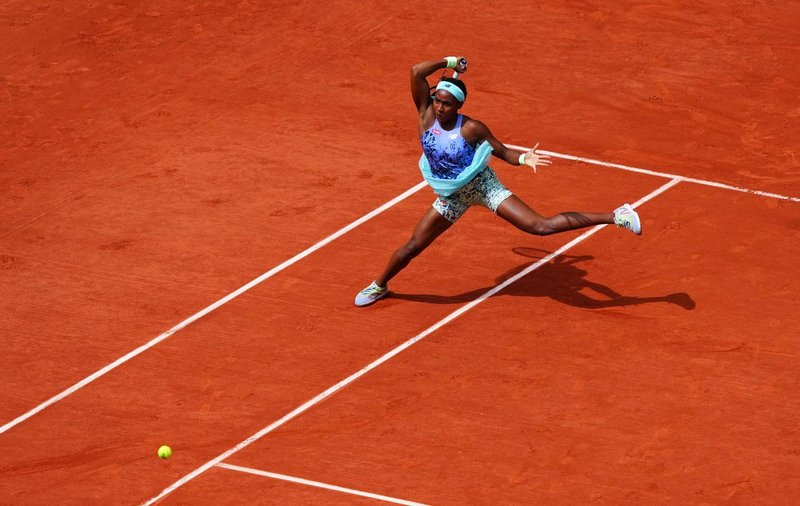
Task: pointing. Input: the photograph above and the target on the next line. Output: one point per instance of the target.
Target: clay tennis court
(193, 193)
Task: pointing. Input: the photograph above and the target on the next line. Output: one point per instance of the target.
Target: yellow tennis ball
(165, 452)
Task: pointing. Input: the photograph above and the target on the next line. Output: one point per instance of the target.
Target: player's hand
(461, 65)
(534, 159)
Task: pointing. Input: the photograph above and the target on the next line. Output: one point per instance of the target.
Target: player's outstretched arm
(512, 156)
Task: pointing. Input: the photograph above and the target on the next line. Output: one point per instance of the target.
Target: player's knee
(539, 227)
(411, 249)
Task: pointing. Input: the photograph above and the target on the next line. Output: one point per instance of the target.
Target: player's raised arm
(420, 89)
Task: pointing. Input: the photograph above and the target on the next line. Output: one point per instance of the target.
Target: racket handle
(463, 62)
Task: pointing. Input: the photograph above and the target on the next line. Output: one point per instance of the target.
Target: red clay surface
(155, 158)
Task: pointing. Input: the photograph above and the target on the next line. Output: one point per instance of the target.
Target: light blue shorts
(484, 190)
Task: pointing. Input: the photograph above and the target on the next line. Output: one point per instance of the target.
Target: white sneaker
(625, 216)
(371, 294)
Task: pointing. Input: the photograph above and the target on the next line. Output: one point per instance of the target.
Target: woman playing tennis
(456, 150)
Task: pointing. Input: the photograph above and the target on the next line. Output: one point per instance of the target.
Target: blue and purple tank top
(448, 153)
(448, 161)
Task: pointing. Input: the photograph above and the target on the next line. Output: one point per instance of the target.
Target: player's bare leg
(516, 212)
(431, 226)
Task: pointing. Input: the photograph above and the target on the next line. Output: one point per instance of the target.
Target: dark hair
(457, 82)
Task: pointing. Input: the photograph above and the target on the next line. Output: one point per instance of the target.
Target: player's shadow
(561, 279)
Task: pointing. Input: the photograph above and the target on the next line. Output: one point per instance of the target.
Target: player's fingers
(534, 148)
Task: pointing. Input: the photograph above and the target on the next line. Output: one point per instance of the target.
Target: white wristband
(522, 159)
(452, 61)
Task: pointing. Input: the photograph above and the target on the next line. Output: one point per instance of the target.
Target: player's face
(445, 106)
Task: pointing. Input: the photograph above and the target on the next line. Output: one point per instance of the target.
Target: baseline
(399, 349)
(317, 484)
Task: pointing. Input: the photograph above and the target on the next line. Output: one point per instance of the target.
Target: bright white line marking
(318, 484)
(233, 295)
(658, 174)
(141, 349)
(444, 321)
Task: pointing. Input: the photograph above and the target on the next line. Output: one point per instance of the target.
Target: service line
(433, 328)
(317, 484)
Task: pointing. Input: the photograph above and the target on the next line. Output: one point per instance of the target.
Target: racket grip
(463, 62)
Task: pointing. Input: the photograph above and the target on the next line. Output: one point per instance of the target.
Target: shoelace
(373, 289)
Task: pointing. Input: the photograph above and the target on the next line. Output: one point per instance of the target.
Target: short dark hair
(459, 83)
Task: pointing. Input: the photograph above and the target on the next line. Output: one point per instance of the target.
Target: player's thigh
(519, 214)
(431, 226)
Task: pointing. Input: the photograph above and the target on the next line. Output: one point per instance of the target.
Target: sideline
(353, 377)
(141, 349)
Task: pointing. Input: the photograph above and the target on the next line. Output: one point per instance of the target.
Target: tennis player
(456, 150)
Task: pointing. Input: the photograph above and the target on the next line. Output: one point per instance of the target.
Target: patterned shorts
(484, 189)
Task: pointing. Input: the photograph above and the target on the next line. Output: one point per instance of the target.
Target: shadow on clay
(562, 279)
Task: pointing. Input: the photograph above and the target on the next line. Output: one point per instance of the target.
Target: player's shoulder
(472, 124)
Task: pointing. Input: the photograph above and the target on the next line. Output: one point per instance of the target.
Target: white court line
(658, 174)
(419, 186)
(141, 349)
(318, 484)
(343, 383)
